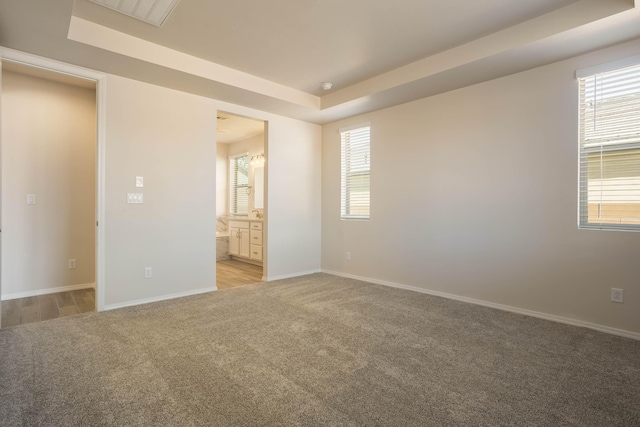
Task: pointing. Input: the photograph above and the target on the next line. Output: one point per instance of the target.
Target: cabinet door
(256, 237)
(244, 242)
(256, 252)
(234, 241)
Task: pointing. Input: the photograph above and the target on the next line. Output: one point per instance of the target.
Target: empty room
(417, 213)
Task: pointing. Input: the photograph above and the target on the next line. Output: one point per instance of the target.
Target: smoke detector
(326, 86)
(154, 12)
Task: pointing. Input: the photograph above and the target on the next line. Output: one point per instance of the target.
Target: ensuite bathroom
(240, 200)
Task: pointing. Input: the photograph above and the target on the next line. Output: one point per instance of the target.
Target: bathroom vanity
(245, 240)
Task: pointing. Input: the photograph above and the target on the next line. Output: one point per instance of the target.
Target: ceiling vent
(154, 12)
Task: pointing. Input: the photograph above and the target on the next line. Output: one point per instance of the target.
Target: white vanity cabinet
(245, 239)
(255, 235)
(239, 238)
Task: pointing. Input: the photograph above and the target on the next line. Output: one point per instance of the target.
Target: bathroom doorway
(240, 200)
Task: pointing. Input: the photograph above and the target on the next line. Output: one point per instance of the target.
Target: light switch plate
(135, 198)
(31, 199)
(139, 181)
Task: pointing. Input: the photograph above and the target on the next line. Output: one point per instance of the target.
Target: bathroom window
(355, 172)
(610, 147)
(239, 185)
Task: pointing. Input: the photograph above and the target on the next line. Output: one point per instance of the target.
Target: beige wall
(48, 138)
(474, 193)
(169, 138)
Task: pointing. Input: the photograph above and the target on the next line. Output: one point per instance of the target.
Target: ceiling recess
(154, 12)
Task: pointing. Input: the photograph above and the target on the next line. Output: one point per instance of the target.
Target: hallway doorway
(49, 194)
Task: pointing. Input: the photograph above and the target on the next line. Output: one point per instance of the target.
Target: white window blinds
(239, 185)
(610, 150)
(355, 175)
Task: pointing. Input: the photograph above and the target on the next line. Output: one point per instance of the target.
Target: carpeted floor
(315, 350)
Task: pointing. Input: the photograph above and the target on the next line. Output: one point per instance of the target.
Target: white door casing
(100, 79)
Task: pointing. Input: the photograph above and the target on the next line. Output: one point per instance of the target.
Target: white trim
(49, 64)
(101, 37)
(235, 156)
(289, 276)
(48, 291)
(101, 108)
(354, 126)
(545, 316)
(609, 66)
(160, 298)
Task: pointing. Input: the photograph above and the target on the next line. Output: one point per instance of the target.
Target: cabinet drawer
(238, 224)
(256, 252)
(256, 237)
(256, 226)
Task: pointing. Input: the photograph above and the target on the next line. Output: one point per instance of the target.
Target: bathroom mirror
(258, 187)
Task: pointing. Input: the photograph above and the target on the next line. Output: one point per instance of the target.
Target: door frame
(101, 109)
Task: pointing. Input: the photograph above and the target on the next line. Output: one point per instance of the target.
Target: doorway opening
(49, 194)
(240, 200)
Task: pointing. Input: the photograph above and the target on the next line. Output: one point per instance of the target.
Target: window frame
(347, 171)
(606, 146)
(233, 187)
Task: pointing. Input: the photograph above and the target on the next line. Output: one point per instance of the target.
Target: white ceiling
(232, 128)
(301, 44)
(273, 56)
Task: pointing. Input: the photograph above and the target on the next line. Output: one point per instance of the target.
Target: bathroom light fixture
(326, 86)
(154, 12)
(257, 161)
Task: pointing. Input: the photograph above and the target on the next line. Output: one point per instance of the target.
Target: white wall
(474, 193)
(293, 204)
(48, 134)
(169, 138)
(222, 179)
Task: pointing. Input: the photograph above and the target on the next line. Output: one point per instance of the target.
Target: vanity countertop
(245, 218)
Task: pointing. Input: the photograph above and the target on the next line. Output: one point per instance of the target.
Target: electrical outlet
(617, 295)
(72, 264)
(31, 199)
(147, 273)
(139, 181)
(348, 256)
(135, 198)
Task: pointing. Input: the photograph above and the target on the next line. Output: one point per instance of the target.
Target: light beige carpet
(316, 350)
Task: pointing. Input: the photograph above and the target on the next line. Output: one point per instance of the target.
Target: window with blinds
(610, 149)
(239, 185)
(356, 171)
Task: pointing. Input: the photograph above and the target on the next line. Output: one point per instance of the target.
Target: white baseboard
(289, 276)
(551, 317)
(160, 298)
(47, 291)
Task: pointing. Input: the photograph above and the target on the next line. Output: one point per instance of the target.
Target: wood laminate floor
(229, 274)
(232, 273)
(44, 307)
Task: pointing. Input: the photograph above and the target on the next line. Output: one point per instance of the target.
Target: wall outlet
(147, 273)
(31, 199)
(617, 295)
(72, 264)
(135, 198)
(139, 182)
(348, 256)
